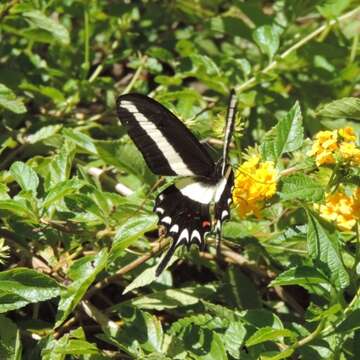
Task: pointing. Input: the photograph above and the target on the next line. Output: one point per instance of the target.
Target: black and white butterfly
(170, 149)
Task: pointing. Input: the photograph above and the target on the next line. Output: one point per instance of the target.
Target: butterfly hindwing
(186, 220)
(168, 147)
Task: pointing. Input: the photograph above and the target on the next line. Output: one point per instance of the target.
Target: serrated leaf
(301, 187)
(83, 272)
(323, 247)
(80, 139)
(62, 189)
(41, 21)
(300, 275)
(268, 334)
(333, 8)
(348, 107)
(174, 298)
(22, 286)
(9, 101)
(285, 354)
(141, 330)
(267, 39)
(146, 277)
(286, 136)
(10, 343)
(19, 208)
(25, 176)
(234, 338)
(44, 133)
(60, 165)
(131, 231)
(123, 156)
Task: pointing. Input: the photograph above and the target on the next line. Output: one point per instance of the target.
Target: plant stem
(86, 64)
(253, 81)
(136, 75)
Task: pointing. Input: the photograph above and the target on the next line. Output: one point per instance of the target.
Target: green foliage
(78, 238)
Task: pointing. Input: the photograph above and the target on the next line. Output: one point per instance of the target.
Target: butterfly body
(170, 149)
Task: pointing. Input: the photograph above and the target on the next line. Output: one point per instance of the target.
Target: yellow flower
(341, 209)
(330, 146)
(347, 134)
(350, 152)
(255, 181)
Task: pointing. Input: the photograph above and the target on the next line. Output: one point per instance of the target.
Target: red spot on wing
(205, 224)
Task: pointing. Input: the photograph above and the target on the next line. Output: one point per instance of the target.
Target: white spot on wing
(166, 220)
(224, 214)
(197, 191)
(174, 228)
(173, 158)
(184, 235)
(196, 235)
(159, 210)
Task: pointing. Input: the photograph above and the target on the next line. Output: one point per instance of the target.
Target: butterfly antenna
(230, 120)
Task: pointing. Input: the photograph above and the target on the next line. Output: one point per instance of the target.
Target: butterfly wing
(185, 219)
(166, 144)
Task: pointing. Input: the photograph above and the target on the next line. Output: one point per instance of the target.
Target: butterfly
(170, 149)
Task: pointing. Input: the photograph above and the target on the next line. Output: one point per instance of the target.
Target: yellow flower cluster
(255, 181)
(337, 144)
(341, 209)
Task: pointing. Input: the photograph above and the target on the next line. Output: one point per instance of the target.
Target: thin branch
(253, 81)
(158, 247)
(136, 75)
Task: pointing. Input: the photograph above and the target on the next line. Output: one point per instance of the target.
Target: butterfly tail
(161, 267)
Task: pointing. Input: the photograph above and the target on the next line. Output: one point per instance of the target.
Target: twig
(7, 9)
(136, 75)
(159, 246)
(119, 187)
(253, 81)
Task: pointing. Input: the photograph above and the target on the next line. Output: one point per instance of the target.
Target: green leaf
(285, 354)
(333, 8)
(174, 298)
(132, 230)
(60, 165)
(19, 208)
(323, 247)
(141, 329)
(83, 273)
(234, 338)
(22, 286)
(301, 187)
(300, 275)
(9, 101)
(80, 139)
(286, 136)
(348, 107)
(123, 156)
(239, 291)
(41, 21)
(62, 189)
(44, 133)
(73, 343)
(267, 39)
(10, 344)
(268, 334)
(351, 323)
(25, 176)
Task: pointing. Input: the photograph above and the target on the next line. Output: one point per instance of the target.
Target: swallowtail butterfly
(170, 149)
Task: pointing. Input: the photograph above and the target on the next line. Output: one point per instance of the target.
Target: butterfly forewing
(168, 147)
